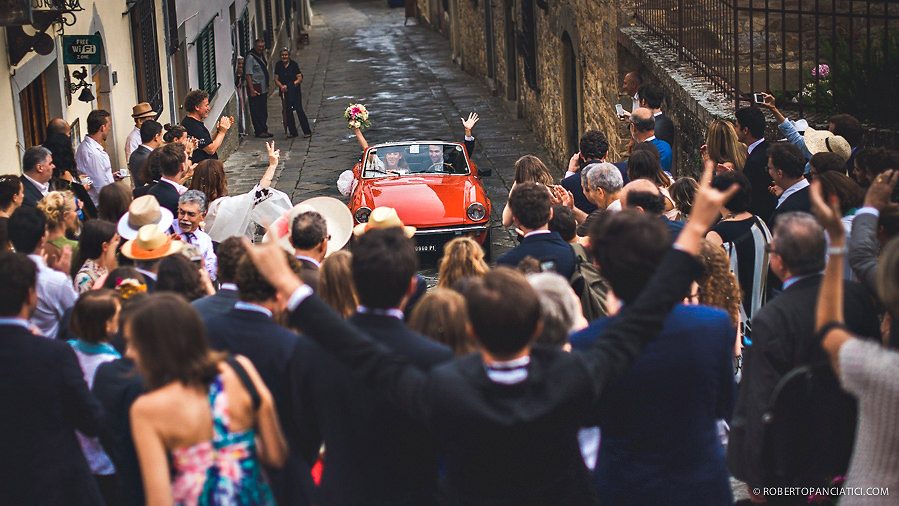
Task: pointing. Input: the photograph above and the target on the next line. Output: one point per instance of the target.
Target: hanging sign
(82, 49)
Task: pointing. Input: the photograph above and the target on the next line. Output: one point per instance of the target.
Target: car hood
(427, 201)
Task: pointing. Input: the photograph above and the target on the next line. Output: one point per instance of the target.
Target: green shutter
(206, 59)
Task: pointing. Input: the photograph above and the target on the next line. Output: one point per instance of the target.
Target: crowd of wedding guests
(648, 338)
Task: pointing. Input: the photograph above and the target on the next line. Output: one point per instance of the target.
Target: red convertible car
(433, 185)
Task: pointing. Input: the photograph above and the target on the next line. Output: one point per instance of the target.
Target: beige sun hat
(818, 141)
(143, 110)
(151, 243)
(337, 217)
(383, 217)
(144, 210)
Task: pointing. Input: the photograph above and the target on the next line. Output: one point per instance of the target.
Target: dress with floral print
(224, 471)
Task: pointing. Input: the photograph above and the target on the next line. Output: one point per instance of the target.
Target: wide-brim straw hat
(337, 217)
(383, 217)
(143, 110)
(143, 211)
(819, 141)
(151, 243)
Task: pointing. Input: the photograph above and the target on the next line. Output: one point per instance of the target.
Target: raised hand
(708, 200)
(574, 162)
(270, 259)
(469, 123)
(273, 154)
(880, 192)
(225, 123)
(828, 213)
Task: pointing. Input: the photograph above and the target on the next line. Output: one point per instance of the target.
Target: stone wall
(232, 138)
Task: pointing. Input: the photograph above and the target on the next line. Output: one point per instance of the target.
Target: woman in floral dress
(212, 415)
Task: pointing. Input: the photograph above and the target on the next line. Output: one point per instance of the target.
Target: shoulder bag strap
(245, 380)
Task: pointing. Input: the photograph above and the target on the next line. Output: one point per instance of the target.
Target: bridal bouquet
(356, 116)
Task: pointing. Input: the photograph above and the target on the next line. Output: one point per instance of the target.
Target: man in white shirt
(632, 82)
(141, 112)
(786, 165)
(92, 158)
(55, 293)
(191, 211)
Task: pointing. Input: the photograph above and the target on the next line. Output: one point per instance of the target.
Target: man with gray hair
(191, 211)
(783, 338)
(602, 183)
(309, 238)
(37, 168)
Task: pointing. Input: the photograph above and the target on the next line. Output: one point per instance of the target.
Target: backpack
(589, 285)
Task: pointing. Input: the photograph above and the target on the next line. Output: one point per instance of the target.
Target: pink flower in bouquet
(822, 70)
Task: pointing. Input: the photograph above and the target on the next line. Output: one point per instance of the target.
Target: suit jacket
(756, 170)
(46, 399)
(783, 337)
(799, 201)
(269, 347)
(167, 196)
(309, 274)
(864, 253)
(375, 453)
(507, 444)
(214, 305)
(665, 129)
(116, 386)
(543, 247)
(32, 194)
(658, 421)
(138, 157)
(572, 183)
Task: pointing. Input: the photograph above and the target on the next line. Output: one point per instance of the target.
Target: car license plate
(426, 248)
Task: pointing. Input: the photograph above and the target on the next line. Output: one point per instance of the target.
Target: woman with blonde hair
(462, 258)
(723, 146)
(442, 315)
(335, 283)
(61, 211)
(529, 169)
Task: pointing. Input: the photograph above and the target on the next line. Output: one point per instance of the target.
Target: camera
(758, 98)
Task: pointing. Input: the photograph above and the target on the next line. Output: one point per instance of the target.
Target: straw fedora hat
(151, 243)
(142, 110)
(337, 217)
(818, 141)
(383, 217)
(144, 210)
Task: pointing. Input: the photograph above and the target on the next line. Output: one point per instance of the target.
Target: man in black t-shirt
(288, 78)
(196, 103)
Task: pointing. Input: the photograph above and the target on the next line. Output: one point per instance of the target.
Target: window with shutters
(206, 58)
(146, 54)
(243, 32)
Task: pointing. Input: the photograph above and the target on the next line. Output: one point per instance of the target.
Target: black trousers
(259, 113)
(298, 107)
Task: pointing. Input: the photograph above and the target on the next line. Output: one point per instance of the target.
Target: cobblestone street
(361, 52)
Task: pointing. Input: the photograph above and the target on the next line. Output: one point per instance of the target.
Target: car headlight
(476, 211)
(362, 214)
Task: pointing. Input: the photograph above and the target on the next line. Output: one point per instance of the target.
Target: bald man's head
(58, 126)
(643, 195)
(643, 120)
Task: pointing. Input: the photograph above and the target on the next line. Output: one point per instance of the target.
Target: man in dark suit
(786, 166)
(750, 127)
(659, 433)
(37, 168)
(531, 211)
(46, 400)
(375, 453)
(651, 97)
(309, 238)
(150, 138)
(229, 253)
(783, 338)
(644, 196)
(506, 412)
(593, 149)
(249, 329)
(174, 164)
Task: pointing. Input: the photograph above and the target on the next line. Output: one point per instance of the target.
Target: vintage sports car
(433, 185)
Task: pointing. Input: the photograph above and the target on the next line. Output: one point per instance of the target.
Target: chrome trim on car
(451, 230)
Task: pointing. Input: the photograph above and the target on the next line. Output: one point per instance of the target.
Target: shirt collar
(148, 147)
(146, 273)
(229, 286)
(19, 322)
(802, 183)
(93, 348)
(178, 186)
(38, 260)
(394, 312)
(754, 144)
(790, 282)
(44, 188)
(656, 114)
(508, 372)
(650, 138)
(310, 260)
(537, 232)
(249, 306)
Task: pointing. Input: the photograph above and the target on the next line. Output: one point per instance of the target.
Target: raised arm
(361, 138)
(863, 245)
(221, 127)
(274, 155)
(641, 321)
(468, 124)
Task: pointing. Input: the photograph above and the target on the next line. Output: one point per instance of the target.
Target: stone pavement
(360, 51)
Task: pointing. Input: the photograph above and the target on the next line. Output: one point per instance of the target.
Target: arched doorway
(570, 98)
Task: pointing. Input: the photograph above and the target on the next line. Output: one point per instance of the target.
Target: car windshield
(415, 159)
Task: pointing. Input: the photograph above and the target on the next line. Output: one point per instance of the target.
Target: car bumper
(431, 240)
